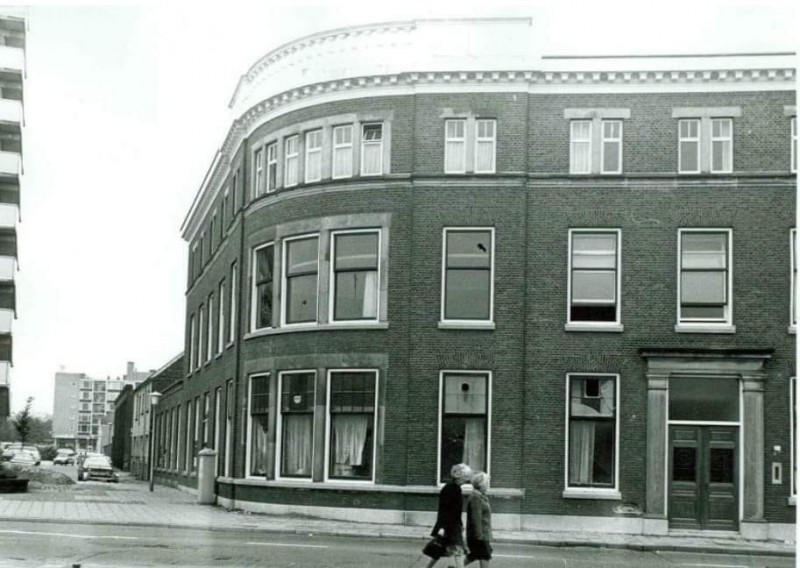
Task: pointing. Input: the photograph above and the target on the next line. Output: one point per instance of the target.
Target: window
(793, 287)
(232, 320)
(355, 275)
(467, 291)
(212, 233)
(291, 152)
(189, 428)
(226, 204)
(272, 167)
(721, 145)
(351, 406)
(297, 423)
(198, 421)
(592, 431)
(301, 257)
(258, 173)
(313, 156)
(455, 146)
(235, 186)
(485, 143)
(210, 328)
(263, 258)
(206, 425)
(594, 276)
(464, 434)
(372, 149)
(704, 286)
(221, 318)
(793, 435)
(200, 336)
(230, 405)
(580, 157)
(611, 147)
(689, 146)
(794, 145)
(259, 425)
(342, 151)
(192, 338)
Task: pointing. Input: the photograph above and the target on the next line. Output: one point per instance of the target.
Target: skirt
(479, 550)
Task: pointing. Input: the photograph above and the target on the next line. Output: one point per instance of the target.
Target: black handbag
(436, 548)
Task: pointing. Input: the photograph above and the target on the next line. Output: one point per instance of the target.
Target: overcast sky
(126, 105)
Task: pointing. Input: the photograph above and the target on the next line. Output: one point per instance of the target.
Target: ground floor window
(297, 423)
(351, 424)
(464, 421)
(592, 431)
(259, 424)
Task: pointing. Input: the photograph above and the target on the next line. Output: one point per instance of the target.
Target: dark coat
(448, 516)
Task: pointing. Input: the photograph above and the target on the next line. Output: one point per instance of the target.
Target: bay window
(355, 282)
(342, 151)
(296, 423)
(372, 149)
(351, 408)
(272, 167)
(300, 262)
(313, 167)
(258, 172)
(261, 294)
(259, 425)
(291, 161)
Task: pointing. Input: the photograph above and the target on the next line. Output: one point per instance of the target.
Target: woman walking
(479, 522)
(448, 517)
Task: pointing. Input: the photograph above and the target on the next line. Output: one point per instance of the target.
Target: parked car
(23, 457)
(97, 467)
(34, 451)
(64, 456)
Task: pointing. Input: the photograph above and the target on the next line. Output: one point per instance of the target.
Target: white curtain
(258, 456)
(485, 158)
(474, 440)
(454, 156)
(370, 303)
(581, 452)
(343, 162)
(297, 444)
(372, 158)
(349, 438)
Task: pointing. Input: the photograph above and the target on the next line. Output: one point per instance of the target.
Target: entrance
(703, 477)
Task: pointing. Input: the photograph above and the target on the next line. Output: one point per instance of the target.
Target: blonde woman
(479, 522)
(448, 517)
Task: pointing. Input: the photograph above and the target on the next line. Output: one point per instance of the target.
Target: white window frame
(604, 140)
(792, 440)
(366, 143)
(192, 346)
(221, 319)
(489, 376)
(258, 172)
(442, 298)
(332, 276)
(313, 152)
(210, 328)
(230, 406)
(254, 287)
(248, 459)
(723, 139)
(279, 425)
(284, 279)
(611, 493)
(793, 149)
(451, 140)
(793, 282)
(486, 139)
(217, 426)
(616, 325)
(272, 162)
(688, 139)
(328, 421)
(232, 315)
(724, 324)
(291, 161)
(574, 141)
(200, 336)
(343, 147)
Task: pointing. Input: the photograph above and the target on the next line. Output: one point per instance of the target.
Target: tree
(23, 421)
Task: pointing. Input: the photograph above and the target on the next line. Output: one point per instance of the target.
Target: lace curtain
(474, 444)
(349, 438)
(297, 444)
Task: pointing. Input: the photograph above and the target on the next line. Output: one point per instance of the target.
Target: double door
(703, 481)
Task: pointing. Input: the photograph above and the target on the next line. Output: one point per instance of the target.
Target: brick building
(574, 273)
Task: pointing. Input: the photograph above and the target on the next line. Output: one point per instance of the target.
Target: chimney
(130, 371)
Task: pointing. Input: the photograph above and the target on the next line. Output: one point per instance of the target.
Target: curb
(556, 543)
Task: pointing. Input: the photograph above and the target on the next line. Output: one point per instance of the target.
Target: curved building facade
(573, 273)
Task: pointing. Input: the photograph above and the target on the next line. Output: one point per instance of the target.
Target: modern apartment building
(12, 78)
(575, 273)
(81, 404)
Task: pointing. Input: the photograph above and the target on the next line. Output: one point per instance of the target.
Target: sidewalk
(130, 503)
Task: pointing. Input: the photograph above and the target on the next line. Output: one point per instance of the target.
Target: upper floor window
(236, 200)
(595, 140)
(232, 311)
(793, 288)
(455, 146)
(485, 146)
(342, 151)
(313, 167)
(468, 279)
(594, 276)
(355, 257)
(469, 145)
(301, 260)
(201, 331)
(721, 145)
(263, 262)
(221, 318)
(272, 167)
(704, 285)
(351, 420)
(291, 161)
(689, 146)
(210, 328)
(296, 423)
(464, 434)
(372, 149)
(258, 172)
(794, 144)
(792, 435)
(705, 139)
(580, 158)
(192, 339)
(611, 147)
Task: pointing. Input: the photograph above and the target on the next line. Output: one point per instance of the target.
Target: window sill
(604, 327)
(600, 494)
(704, 328)
(792, 501)
(475, 325)
(229, 345)
(318, 327)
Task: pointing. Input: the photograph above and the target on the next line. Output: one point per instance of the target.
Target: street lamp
(154, 397)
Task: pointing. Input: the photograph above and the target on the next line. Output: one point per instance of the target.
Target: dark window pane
(302, 256)
(469, 249)
(467, 294)
(356, 251)
(703, 312)
(721, 465)
(301, 305)
(356, 295)
(704, 399)
(463, 440)
(684, 464)
(593, 313)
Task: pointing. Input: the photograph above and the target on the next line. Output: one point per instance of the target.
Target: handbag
(436, 547)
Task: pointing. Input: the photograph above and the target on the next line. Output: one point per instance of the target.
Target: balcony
(11, 111)
(12, 58)
(5, 368)
(9, 216)
(6, 320)
(8, 269)
(10, 163)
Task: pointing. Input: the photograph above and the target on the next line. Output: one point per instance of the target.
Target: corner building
(573, 273)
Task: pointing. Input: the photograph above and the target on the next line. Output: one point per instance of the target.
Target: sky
(126, 105)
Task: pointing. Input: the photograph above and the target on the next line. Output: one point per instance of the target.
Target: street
(51, 545)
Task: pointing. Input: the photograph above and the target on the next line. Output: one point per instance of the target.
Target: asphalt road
(49, 545)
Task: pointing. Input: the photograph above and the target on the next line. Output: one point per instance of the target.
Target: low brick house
(573, 273)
